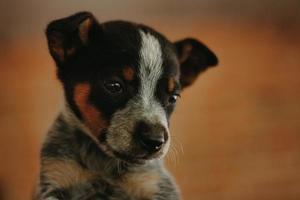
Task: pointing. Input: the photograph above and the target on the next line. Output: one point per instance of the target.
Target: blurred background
(237, 130)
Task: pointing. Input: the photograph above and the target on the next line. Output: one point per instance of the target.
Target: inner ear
(84, 29)
(67, 35)
(194, 57)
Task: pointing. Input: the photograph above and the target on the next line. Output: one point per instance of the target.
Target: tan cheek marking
(128, 73)
(65, 173)
(171, 85)
(141, 185)
(91, 115)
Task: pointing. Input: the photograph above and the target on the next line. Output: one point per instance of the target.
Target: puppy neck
(91, 155)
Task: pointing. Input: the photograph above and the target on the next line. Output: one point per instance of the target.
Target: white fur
(144, 106)
(150, 71)
(150, 68)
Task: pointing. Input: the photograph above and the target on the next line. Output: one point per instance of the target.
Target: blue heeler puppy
(121, 81)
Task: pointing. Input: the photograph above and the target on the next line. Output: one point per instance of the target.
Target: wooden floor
(236, 131)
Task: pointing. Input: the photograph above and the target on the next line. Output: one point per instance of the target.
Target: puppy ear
(67, 35)
(194, 57)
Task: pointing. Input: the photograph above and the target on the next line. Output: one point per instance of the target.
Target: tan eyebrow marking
(171, 85)
(128, 73)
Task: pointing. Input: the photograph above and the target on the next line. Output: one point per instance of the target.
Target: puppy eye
(173, 98)
(113, 87)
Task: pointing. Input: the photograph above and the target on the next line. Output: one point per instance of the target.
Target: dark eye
(113, 87)
(173, 98)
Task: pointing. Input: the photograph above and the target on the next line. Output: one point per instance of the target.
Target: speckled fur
(91, 151)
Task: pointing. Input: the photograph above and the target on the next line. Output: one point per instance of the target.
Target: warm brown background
(237, 129)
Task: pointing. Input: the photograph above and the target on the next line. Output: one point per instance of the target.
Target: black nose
(152, 144)
(151, 137)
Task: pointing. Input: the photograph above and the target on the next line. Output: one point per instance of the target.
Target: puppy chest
(141, 185)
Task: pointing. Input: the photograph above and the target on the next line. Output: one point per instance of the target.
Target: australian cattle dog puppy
(121, 81)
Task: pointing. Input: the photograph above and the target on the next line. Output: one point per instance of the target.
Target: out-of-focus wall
(236, 131)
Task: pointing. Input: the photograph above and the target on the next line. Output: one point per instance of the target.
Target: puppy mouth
(140, 157)
(130, 158)
(136, 159)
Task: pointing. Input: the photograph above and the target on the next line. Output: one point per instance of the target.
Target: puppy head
(122, 80)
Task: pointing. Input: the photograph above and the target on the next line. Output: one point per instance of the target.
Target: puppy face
(122, 81)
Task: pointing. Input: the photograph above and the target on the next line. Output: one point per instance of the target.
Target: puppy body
(121, 81)
(73, 167)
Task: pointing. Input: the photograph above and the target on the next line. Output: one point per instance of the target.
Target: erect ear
(67, 35)
(194, 57)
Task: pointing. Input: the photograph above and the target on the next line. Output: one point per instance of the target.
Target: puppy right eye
(113, 87)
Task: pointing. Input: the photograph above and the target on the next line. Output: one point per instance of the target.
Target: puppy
(121, 81)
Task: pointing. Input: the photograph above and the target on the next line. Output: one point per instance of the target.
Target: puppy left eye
(113, 87)
(173, 98)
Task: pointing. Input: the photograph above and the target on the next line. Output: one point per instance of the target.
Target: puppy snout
(151, 137)
(152, 144)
